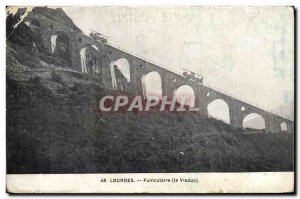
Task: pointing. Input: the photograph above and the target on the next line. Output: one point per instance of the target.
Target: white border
(255, 182)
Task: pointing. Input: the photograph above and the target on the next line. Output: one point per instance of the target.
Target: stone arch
(150, 88)
(219, 109)
(283, 126)
(120, 73)
(254, 121)
(89, 60)
(188, 93)
(60, 45)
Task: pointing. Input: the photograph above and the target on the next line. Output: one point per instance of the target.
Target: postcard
(150, 99)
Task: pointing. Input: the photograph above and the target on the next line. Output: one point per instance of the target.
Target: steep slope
(54, 126)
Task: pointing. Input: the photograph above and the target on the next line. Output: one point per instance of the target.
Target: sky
(247, 52)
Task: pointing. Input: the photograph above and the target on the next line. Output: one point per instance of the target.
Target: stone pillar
(236, 116)
(272, 123)
(167, 85)
(201, 102)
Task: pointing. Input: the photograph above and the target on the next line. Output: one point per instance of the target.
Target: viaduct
(83, 50)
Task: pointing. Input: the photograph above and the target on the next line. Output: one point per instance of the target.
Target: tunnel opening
(60, 46)
(120, 73)
(254, 121)
(150, 88)
(185, 95)
(219, 110)
(89, 60)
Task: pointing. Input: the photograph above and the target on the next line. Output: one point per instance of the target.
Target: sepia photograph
(150, 99)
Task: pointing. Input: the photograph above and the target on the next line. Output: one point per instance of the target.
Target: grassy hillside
(53, 126)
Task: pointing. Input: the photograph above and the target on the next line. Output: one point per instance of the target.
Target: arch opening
(60, 45)
(150, 89)
(89, 60)
(283, 126)
(120, 73)
(219, 110)
(185, 95)
(254, 121)
(53, 43)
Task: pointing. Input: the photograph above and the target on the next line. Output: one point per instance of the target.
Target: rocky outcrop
(57, 15)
